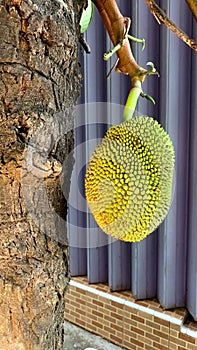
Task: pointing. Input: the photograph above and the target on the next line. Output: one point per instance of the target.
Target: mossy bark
(39, 79)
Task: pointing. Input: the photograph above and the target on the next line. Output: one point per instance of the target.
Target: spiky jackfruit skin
(129, 179)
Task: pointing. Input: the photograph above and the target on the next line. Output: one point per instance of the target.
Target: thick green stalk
(132, 99)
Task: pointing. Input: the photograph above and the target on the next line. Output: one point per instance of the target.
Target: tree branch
(117, 27)
(161, 17)
(193, 7)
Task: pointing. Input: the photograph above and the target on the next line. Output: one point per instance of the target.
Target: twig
(117, 27)
(193, 7)
(161, 17)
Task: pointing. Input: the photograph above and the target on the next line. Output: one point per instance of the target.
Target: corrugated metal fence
(164, 265)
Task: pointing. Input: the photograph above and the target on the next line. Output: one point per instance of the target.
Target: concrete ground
(77, 338)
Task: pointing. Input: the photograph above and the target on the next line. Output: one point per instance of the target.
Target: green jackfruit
(129, 179)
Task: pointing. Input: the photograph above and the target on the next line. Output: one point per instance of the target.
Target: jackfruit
(129, 178)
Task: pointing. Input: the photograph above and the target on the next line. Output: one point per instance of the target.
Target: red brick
(160, 334)
(80, 291)
(146, 328)
(160, 346)
(153, 337)
(115, 339)
(160, 321)
(138, 319)
(130, 322)
(177, 341)
(152, 324)
(148, 347)
(117, 305)
(90, 305)
(173, 346)
(129, 312)
(138, 343)
(145, 340)
(97, 313)
(116, 315)
(129, 345)
(187, 338)
(81, 323)
(109, 318)
(99, 303)
(192, 347)
(110, 307)
(145, 316)
(116, 327)
(97, 324)
(130, 334)
(91, 328)
(143, 303)
(137, 330)
(176, 327)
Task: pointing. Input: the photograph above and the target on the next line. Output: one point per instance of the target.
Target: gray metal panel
(144, 254)
(172, 91)
(192, 227)
(97, 241)
(175, 101)
(96, 125)
(78, 261)
(77, 208)
(119, 265)
(98, 258)
(119, 253)
(144, 268)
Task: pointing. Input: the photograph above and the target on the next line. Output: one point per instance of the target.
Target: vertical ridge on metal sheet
(96, 125)
(144, 268)
(118, 86)
(174, 117)
(119, 265)
(192, 224)
(77, 206)
(144, 254)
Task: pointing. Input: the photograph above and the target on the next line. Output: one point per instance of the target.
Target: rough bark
(39, 79)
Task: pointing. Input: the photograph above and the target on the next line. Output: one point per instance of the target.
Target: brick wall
(128, 323)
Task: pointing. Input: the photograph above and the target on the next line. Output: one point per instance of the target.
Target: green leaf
(86, 17)
(148, 97)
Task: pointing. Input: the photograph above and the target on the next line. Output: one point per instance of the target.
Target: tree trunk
(39, 86)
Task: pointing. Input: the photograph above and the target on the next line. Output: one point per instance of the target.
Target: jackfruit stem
(132, 99)
(109, 54)
(137, 40)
